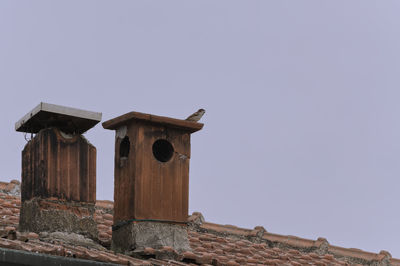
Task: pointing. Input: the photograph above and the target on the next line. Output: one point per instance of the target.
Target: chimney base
(54, 215)
(139, 235)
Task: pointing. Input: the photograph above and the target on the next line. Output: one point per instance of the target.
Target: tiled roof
(212, 244)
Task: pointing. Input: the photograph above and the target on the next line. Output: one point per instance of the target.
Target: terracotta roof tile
(106, 204)
(212, 244)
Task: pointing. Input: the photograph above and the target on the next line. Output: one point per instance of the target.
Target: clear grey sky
(301, 134)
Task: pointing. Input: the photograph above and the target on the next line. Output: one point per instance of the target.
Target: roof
(211, 244)
(67, 119)
(154, 119)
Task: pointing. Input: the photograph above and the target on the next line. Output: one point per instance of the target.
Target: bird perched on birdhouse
(195, 117)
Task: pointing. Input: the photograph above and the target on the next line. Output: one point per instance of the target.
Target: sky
(301, 131)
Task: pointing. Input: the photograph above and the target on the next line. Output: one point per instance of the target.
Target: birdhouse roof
(154, 119)
(67, 119)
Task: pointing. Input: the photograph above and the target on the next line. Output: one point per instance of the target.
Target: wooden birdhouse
(58, 161)
(152, 156)
(58, 170)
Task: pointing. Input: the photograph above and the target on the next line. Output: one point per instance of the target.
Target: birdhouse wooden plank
(55, 166)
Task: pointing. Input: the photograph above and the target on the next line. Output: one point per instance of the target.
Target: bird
(195, 117)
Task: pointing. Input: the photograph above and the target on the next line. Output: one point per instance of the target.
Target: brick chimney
(151, 181)
(58, 188)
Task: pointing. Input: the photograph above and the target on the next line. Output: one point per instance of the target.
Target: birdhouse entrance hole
(163, 150)
(124, 148)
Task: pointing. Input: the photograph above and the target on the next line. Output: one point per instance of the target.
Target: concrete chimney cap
(67, 119)
(185, 125)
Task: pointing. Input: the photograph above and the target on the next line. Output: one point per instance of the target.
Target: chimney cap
(67, 119)
(155, 119)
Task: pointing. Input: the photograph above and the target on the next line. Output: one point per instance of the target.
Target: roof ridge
(320, 246)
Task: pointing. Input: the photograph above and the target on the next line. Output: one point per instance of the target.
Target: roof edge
(155, 119)
(20, 257)
(74, 113)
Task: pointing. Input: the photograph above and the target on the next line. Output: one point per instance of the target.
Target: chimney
(151, 181)
(58, 188)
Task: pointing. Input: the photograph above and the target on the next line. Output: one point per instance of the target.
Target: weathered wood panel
(162, 182)
(124, 179)
(91, 192)
(56, 166)
(146, 188)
